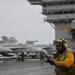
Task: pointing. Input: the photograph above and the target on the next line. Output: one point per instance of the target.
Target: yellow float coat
(65, 60)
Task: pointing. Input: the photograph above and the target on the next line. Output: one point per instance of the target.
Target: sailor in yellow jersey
(64, 62)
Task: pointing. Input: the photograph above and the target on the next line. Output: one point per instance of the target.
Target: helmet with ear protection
(61, 42)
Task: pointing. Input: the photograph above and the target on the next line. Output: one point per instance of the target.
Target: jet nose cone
(3, 49)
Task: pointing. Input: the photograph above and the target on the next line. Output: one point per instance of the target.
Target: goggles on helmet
(57, 42)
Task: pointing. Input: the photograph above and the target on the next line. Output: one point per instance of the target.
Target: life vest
(65, 71)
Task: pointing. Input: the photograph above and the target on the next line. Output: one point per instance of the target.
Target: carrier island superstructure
(61, 14)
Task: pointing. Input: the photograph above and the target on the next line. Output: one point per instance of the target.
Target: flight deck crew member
(42, 56)
(22, 56)
(64, 62)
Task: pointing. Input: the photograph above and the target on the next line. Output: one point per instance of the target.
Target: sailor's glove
(46, 61)
(49, 61)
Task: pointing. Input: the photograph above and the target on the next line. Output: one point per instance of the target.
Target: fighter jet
(29, 46)
(16, 47)
(45, 47)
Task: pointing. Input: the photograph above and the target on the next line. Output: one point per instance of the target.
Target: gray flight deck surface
(27, 67)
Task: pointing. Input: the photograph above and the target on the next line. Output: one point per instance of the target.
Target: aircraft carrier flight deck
(27, 67)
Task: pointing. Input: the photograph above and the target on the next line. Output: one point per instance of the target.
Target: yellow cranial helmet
(60, 42)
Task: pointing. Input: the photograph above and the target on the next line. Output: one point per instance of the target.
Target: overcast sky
(23, 21)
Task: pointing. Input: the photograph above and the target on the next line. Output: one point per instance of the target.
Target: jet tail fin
(12, 39)
(5, 39)
(8, 40)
